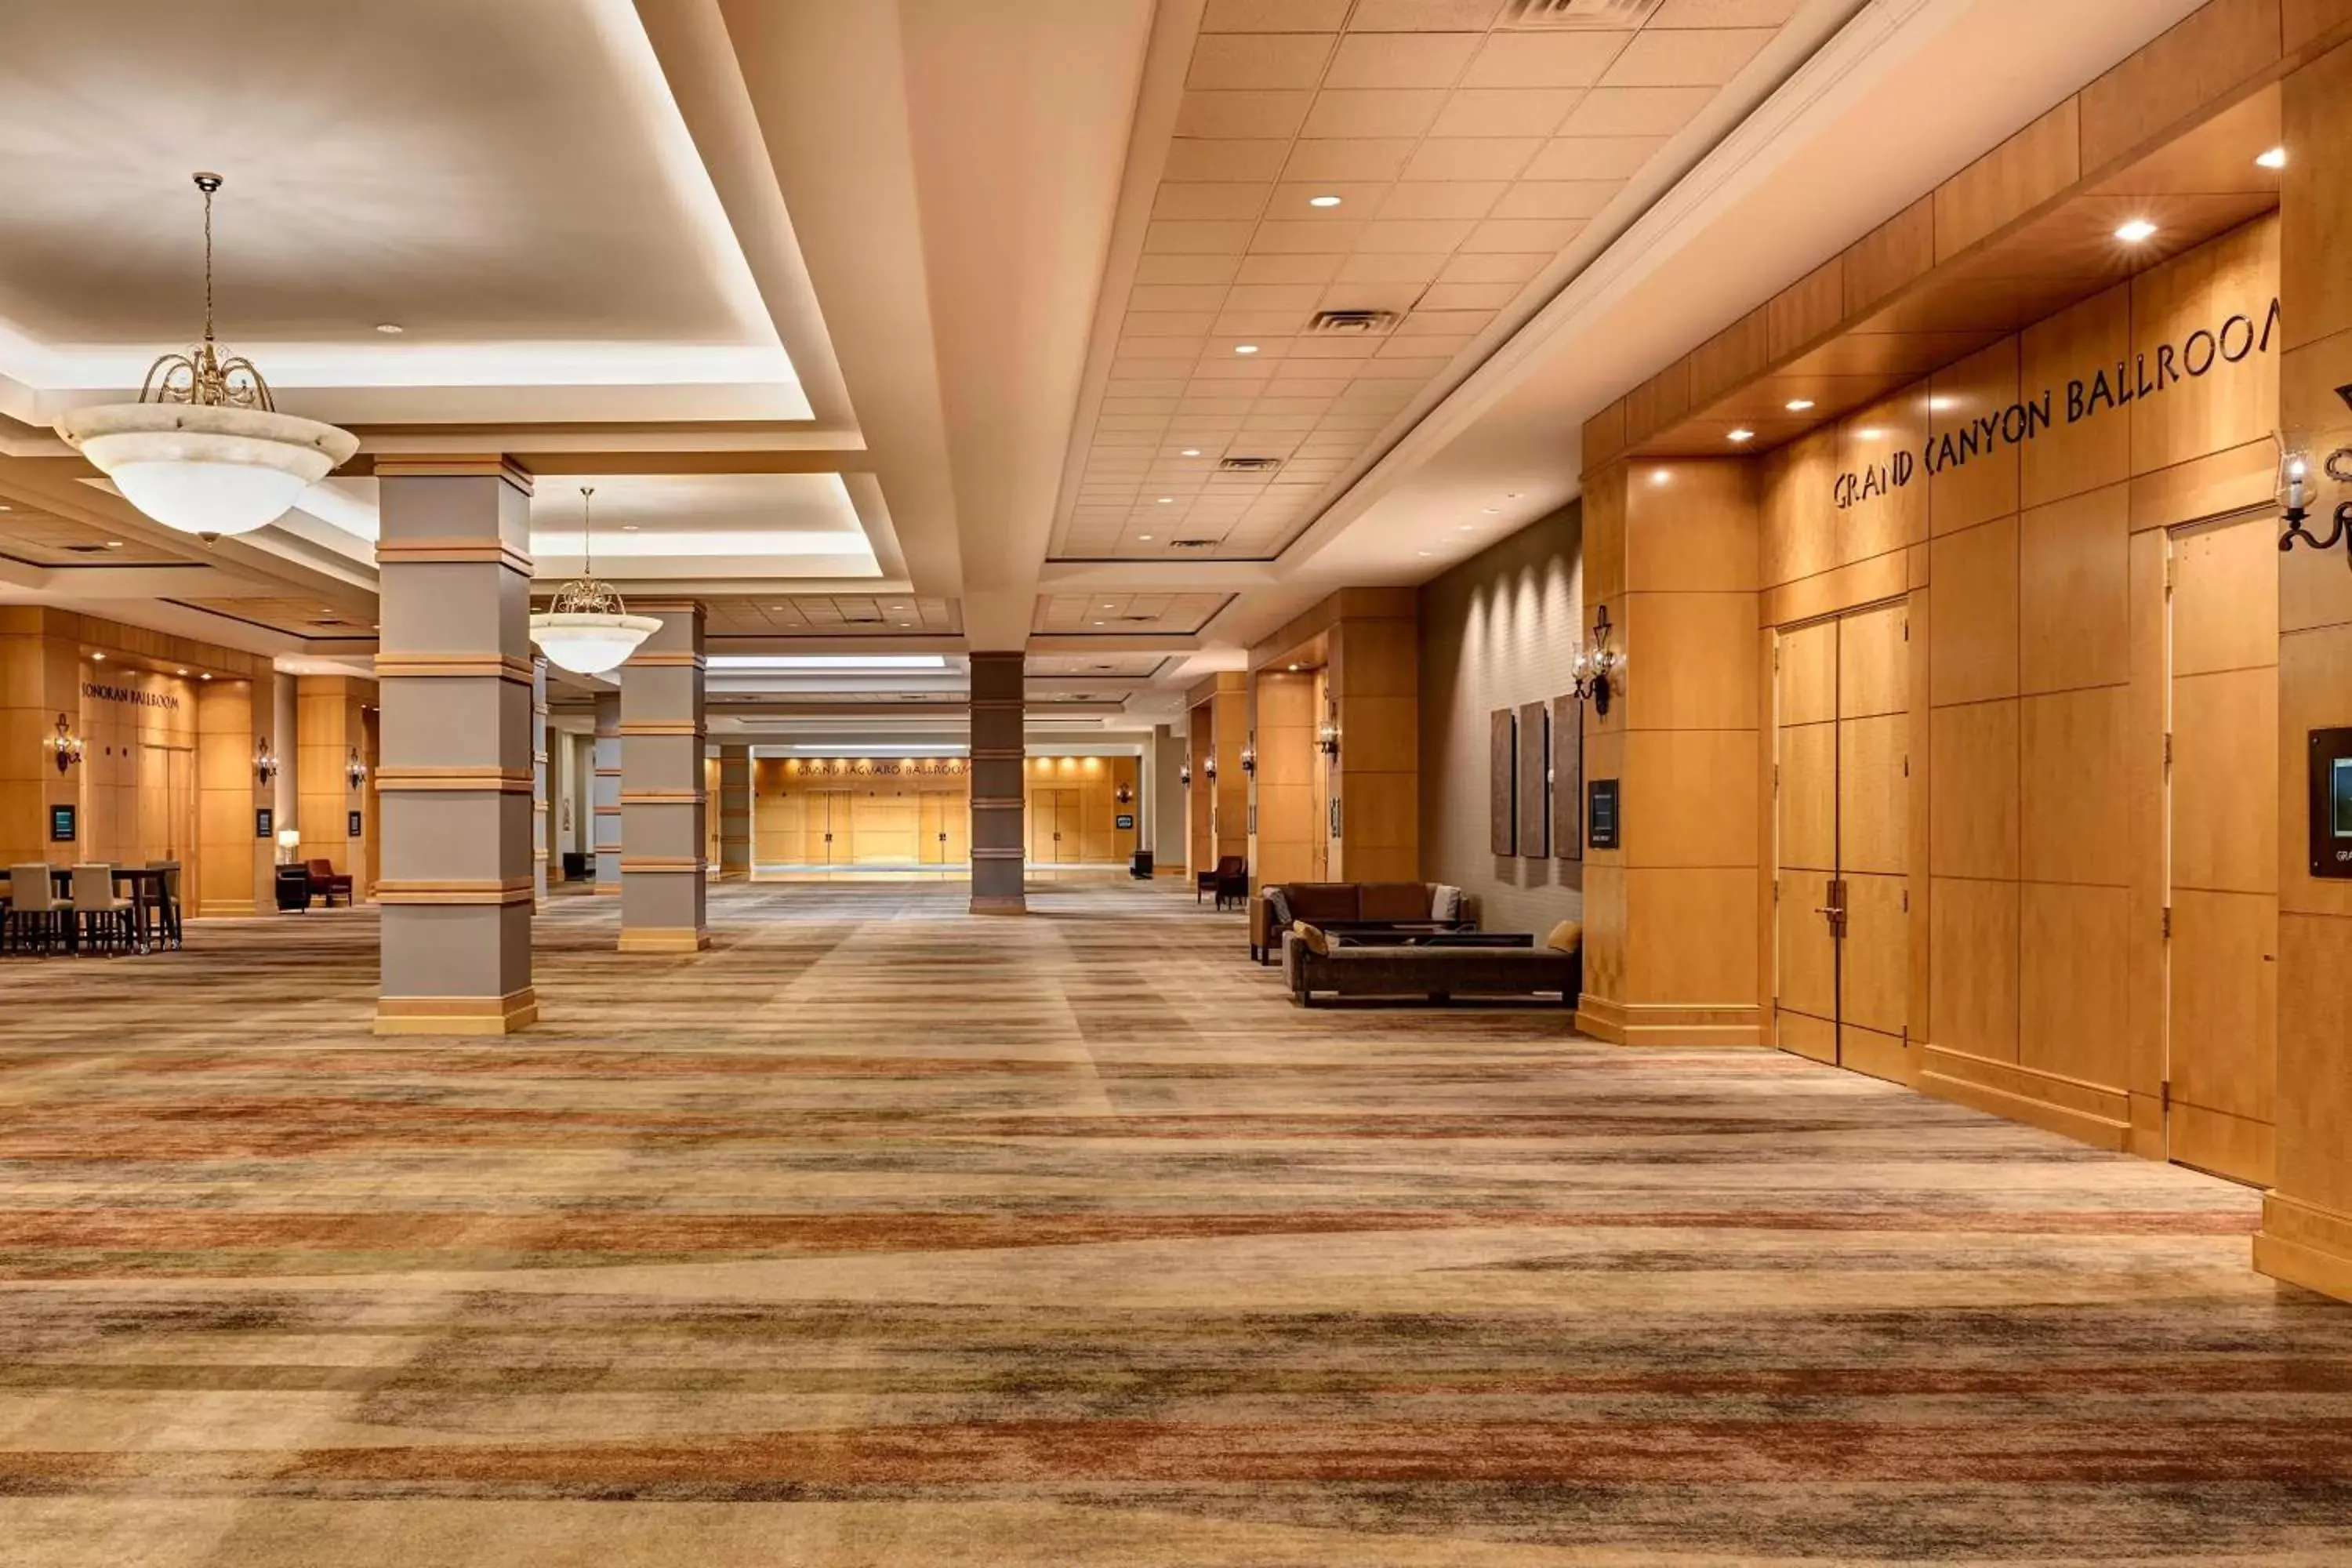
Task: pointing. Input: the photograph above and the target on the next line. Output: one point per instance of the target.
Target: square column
(663, 803)
(455, 671)
(998, 751)
(605, 793)
(541, 833)
(735, 814)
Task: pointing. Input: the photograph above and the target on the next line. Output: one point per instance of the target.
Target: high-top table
(144, 885)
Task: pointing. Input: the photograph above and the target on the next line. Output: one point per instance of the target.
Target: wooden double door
(943, 831)
(1057, 827)
(826, 834)
(1841, 797)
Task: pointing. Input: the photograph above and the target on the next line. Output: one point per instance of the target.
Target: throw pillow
(1317, 940)
(1566, 937)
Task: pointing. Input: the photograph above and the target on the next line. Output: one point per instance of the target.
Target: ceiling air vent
(86, 549)
(1191, 544)
(1350, 323)
(1579, 13)
(1249, 465)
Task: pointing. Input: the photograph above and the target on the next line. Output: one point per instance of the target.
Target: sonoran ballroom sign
(2105, 390)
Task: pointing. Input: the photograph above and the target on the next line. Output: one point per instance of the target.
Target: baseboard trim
(2306, 1244)
(1667, 1023)
(1000, 904)
(504, 1014)
(2101, 1117)
(663, 939)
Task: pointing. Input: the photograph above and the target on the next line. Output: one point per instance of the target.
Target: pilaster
(735, 814)
(605, 793)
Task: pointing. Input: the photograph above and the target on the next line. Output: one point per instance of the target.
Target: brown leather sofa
(1436, 974)
(1320, 903)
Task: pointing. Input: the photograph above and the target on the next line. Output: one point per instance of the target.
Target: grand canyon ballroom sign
(2104, 391)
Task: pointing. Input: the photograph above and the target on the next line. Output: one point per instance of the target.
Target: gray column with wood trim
(605, 793)
(454, 777)
(735, 814)
(998, 750)
(663, 803)
(541, 833)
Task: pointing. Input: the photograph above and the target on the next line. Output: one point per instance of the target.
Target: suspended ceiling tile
(1707, 59)
(1258, 62)
(1568, 59)
(1472, 158)
(1401, 59)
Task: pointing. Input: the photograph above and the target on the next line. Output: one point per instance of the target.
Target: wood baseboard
(663, 939)
(2306, 1244)
(504, 1014)
(1000, 904)
(2089, 1112)
(1663, 1023)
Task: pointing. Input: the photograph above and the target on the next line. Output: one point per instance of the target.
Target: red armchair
(326, 881)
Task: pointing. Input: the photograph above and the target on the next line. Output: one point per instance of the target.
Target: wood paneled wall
(1374, 683)
(1672, 924)
(2306, 1233)
(2035, 573)
(333, 726)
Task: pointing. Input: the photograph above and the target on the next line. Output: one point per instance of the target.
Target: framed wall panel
(1534, 764)
(1568, 778)
(1502, 781)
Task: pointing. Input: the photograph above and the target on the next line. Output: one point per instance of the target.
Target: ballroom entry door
(1842, 914)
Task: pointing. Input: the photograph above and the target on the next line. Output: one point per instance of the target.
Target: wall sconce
(355, 770)
(2295, 470)
(1596, 662)
(1122, 795)
(1211, 767)
(1327, 738)
(1249, 754)
(65, 744)
(1184, 774)
(265, 762)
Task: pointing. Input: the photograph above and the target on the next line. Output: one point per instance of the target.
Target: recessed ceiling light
(98, 659)
(1940, 403)
(1145, 537)
(181, 672)
(1192, 452)
(1325, 200)
(1468, 527)
(390, 329)
(1738, 435)
(114, 544)
(628, 528)
(1870, 434)
(6, 507)
(1098, 623)
(2138, 229)
(1167, 501)
(1491, 511)
(1799, 405)
(205, 676)
(1245, 348)
(1421, 553)
(2273, 158)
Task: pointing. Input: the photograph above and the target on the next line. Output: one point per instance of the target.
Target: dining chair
(99, 912)
(163, 901)
(34, 910)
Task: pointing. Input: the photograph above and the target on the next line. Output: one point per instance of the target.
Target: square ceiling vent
(1572, 13)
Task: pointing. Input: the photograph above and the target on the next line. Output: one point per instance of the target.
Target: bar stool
(34, 910)
(99, 912)
(162, 902)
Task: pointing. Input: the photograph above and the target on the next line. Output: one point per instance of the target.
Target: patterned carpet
(882, 1234)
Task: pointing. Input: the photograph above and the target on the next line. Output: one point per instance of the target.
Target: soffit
(1105, 666)
(295, 616)
(2197, 186)
(1467, 153)
(38, 538)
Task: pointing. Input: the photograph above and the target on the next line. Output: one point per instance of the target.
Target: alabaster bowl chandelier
(588, 630)
(205, 449)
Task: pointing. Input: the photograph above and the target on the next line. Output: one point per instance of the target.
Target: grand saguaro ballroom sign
(2104, 391)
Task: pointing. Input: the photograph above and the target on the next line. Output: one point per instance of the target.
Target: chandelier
(205, 449)
(588, 630)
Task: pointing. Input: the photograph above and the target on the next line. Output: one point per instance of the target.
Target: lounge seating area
(1316, 963)
(1357, 909)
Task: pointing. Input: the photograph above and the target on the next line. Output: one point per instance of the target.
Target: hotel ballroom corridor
(881, 1233)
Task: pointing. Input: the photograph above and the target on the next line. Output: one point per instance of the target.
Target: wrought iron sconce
(1211, 767)
(265, 762)
(1596, 666)
(1185, 774)
(355, 770)
(2297, 512)
(1249, 754)
(1122, 795)
(1327, 738)
(65, 744)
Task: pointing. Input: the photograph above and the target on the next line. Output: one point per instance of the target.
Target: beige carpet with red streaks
(884, 1234)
